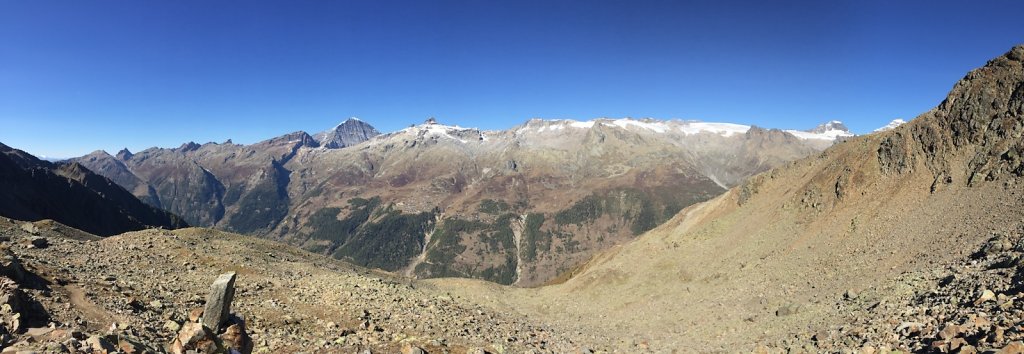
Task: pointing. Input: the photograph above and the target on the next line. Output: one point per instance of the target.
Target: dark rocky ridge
(33, 189)
(974, 134)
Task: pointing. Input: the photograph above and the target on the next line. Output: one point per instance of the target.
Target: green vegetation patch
(446, 245)
(387, 242)
(264, 206)
(493, 207)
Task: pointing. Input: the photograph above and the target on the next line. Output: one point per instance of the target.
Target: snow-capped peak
(892, 125)
(643, 124)
(723, 129)
(832, 125)
(432, 129)
(830, 130)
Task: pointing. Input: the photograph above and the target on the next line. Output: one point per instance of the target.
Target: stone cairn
(214, 329)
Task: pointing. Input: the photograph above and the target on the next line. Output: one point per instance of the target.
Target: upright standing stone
(218, 302)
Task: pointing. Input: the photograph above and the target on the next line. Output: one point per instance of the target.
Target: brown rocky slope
(882, 241)
(139, 292)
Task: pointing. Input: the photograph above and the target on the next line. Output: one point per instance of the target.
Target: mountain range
(906, 240)
(909, 239)
(73, 195)
(518, 206)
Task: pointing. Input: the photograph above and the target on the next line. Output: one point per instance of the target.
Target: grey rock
(11, 267)
(350, 132)
(30, 228)
(851, 294)
(100, 344)
(218, 302)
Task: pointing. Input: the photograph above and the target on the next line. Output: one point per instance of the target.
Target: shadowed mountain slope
(33, 189)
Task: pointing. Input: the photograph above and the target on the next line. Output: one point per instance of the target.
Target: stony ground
(136, 290)
(973, 305)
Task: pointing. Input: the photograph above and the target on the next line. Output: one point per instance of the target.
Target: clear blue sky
(77, 76)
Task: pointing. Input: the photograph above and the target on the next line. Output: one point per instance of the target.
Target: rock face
(972, 135)
(519, 206)
(32, 189)
(350, 132)
(218, 302)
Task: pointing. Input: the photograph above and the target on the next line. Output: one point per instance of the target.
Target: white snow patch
(581, 125)
(829, 135)
(723, 129)
(657, 127)
(892, 125)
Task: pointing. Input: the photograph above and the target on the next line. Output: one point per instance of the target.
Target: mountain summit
(892, 125)
(350, 132)
(830, 126)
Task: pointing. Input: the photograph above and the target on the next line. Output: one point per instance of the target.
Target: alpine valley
(649, 237)
(522, 206)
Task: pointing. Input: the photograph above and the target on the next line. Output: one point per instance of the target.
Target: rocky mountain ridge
(34, 189)
(515, 206)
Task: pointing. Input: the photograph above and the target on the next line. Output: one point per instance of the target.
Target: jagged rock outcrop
(974, 134)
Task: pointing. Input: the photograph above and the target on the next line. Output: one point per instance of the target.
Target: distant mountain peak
(830, 131)
(892, 125)
(124, 154)
(350, 132)
(832, 125)
(189, 146)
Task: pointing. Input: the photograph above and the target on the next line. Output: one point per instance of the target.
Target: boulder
(1012, 348)
(986, 296)
(195, 314)
(30, 228)
(235, 338)
(40, 242)
(218, 302)
(194, 337)
(100, 345)
(11, 267)
(412, 349)
(172, 326)
(950, 332)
